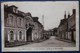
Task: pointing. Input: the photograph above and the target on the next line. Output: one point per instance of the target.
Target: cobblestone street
(52, 42)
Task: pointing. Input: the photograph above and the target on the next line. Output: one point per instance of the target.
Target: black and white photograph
(40, 26)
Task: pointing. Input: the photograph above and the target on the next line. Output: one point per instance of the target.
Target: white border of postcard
(39, 48)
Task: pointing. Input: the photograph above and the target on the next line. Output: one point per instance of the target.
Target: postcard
(40, 26)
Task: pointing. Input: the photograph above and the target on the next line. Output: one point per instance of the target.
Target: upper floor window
(10, 19)
(7, 21)
(20, 21)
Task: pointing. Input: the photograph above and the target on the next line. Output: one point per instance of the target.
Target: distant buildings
(47, 34)
(20, 27)
(67, 27)
(55, 31)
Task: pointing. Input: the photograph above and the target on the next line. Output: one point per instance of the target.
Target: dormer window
(14, 9)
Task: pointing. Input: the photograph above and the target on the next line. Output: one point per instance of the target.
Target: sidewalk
(15, 44)
(65, 40)
(23, 43)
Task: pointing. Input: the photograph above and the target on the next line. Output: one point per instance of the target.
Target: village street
(52, 42)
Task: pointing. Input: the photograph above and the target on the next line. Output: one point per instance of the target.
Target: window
(15, 21)
(26, 25)
(20, 35)
(14, 9)
(7, 21)
(10, 20)
(20, 21)
(11, 35)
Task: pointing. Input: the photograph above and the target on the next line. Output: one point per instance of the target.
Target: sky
(53, 11)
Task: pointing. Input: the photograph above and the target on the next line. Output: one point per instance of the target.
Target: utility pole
(43, 20)
(43, 26)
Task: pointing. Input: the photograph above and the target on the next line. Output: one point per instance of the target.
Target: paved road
(52, 42)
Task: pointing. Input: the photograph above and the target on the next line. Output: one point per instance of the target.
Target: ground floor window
(11, 35)
(20, 35)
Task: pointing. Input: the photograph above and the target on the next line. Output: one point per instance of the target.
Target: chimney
(74, 11)
(35, 18)
(68, 15)
(65, 15)
(5, 6)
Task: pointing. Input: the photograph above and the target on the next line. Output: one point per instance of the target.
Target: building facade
(19, 27)
(14, 30)
(38, 29)
(62, 28)
(66, 28)
(72, 26)
(55, 31)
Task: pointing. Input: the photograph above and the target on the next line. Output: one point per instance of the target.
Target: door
(72, 36)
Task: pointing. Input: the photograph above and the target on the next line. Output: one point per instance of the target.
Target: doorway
(29, 35)
(72, 36)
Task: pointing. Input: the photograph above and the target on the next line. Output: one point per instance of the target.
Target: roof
(9, 9)
(62, 21)
(13, 6)
(35, 19)
(28, 14)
